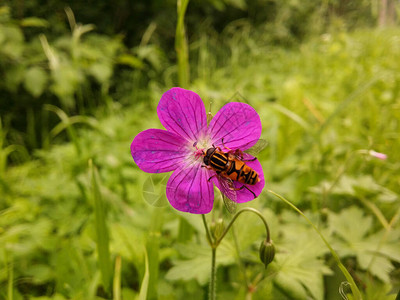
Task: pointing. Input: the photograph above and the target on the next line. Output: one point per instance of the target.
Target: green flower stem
(213, 281)
(212, 287)
(214, 243)
(354, 288)
(210, 240)
(250, 209)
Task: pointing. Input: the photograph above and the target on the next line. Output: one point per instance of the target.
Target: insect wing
(228, 193)
(257, 148)
(229, 204)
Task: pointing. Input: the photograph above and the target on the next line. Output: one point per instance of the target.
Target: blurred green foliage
(49, 57)
(325, 83)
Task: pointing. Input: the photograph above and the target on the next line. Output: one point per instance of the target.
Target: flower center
(199, 148)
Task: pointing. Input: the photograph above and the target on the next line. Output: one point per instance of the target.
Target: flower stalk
(250, 209)
(213, 281)
(268, 251)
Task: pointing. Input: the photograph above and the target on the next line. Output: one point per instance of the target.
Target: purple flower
(180, 148)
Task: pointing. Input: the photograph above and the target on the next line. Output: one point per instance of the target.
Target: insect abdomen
(239, 171)
(251, 177)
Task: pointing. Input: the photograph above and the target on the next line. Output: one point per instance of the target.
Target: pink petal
(379, 155)
(189, 190)
(245, 195)
(158, 151)
(183, 113)
(238, 124)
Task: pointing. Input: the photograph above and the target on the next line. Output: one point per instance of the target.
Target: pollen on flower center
(199, 148)
(203, 143)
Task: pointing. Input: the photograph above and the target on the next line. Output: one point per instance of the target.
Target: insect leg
(212, 177)
(253, 159)
(222, 141)
(238, 153)
(245, 187)
(208, 167)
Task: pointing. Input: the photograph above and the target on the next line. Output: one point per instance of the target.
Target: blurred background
(78, 81)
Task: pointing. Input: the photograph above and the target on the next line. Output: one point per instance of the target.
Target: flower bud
(217, 228)
(267, 252)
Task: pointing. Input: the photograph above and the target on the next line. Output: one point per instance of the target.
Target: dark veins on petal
(225, 125)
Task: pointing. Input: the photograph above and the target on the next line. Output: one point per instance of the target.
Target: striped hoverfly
(231, 166)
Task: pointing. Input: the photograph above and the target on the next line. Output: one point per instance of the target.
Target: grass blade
(181, 45)
(291, 115)
(145, 282)
(10, 275)
(102, 237)
(152, 251)
(66, 124)
(117, 279)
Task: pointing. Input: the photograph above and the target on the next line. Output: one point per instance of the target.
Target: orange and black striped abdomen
(239, 171)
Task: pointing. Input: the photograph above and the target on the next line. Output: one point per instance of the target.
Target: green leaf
(390, 247)
(101, 71)
(240, 4)
(12, 42)
(126, 239)
(377, 265)
(198, 267)
(129, 294)
(379, 290)
(298, 261)
(13, 77)
(364, 186)
(372, 250)
(35, 81)
(350, 224)
(290, 285)
(40, 273)
(34, 22)
(130, 60)
(65, 81)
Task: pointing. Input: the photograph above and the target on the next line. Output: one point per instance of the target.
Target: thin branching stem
(250, 209)
(214, 243)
